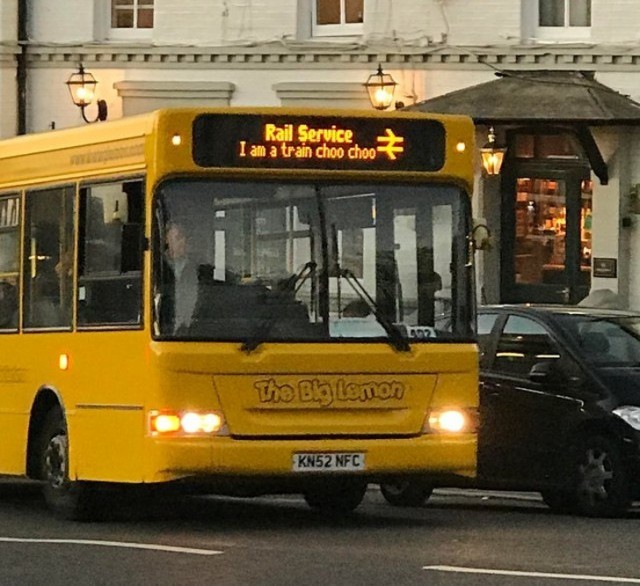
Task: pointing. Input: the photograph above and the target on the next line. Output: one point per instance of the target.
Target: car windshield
(605, 341)
(267, 261)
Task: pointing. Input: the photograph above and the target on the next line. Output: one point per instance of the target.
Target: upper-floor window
(131, 19)
(563, 18)
(337, 17)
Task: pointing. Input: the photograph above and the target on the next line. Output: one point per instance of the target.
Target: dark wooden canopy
(530, 97)
(543, 98)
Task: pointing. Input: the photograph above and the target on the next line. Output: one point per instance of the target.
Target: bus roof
(121, 145)
(129, 127)
(143, 124)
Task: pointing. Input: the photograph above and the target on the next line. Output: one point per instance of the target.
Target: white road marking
(462, 570)
(125, 544)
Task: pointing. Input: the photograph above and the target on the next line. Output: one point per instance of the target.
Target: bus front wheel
(336, 498)
(66, 499)
(406, 492)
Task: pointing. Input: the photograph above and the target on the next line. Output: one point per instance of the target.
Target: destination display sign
(318, 142)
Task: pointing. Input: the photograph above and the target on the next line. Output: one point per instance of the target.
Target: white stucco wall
(461, 30)
(49, 98)
(615, 21)
(8, 21)
(605, 222)
(63, 21)
(442, 81)
(633, 232)
(219, 22)
(424, 22)
(8, 101)
(8, 50)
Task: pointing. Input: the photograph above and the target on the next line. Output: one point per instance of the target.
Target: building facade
(559, 230)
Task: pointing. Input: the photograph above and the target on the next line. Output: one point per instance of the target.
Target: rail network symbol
(390, 144)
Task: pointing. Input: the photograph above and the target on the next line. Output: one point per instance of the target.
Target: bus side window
(8, 305)
(47, 258)
(9, 261)
(110, 259)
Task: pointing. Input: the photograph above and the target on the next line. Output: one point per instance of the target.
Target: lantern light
(380, 87)
(82, 87)
(492, 154)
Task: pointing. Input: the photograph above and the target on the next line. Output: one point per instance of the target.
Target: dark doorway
(546, 221)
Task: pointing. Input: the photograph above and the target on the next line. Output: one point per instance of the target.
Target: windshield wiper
(286, 289)
(396, 339)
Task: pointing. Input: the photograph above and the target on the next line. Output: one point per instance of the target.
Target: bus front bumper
(374, 459)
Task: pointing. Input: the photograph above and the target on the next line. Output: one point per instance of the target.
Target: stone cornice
(347, 56)
(173, 89)
(8, 53)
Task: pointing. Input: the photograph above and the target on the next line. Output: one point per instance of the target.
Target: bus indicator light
(184, 422)
(176, 140)
(461, 147)
(450, 420)
(164, 423)
(63, 361)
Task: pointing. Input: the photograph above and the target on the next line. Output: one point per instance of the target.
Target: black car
(559, 408)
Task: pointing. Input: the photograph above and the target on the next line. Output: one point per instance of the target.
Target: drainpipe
(21, 72)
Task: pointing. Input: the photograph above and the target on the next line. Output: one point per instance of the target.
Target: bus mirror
(343, 213)
(481, 235)
(352, 212)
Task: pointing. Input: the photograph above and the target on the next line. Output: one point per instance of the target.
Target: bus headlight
(186, 423)
(451, 420)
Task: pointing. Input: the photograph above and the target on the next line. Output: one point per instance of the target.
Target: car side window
(486, 321)
(605, 342)
(523, 343)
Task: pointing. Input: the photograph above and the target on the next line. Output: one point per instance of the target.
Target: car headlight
(630, 414)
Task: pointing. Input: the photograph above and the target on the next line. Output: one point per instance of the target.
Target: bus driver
(180, 275)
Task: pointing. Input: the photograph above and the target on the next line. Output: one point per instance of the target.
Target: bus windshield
(260, 261)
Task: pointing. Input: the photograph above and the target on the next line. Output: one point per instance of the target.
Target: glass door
(546, 257)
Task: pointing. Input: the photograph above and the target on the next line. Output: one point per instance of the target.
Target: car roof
(536, 309)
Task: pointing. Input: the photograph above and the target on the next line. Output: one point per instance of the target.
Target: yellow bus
(239, 301)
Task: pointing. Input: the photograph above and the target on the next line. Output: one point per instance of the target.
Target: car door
(523, 433)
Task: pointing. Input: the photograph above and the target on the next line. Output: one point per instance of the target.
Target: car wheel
(66, 499)
(406, 493)
(336, 498)
(601, 486)
(559, 501)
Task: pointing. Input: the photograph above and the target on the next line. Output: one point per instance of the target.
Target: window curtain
(553, 12)
(580, 13)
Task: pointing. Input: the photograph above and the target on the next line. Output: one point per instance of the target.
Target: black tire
(601, 487)
(406, 493)
(559, 501)
(77, 501)
(336, 498)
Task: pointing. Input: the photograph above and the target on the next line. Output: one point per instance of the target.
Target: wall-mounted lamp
(492, 154)
(380, 87)
(82, 87)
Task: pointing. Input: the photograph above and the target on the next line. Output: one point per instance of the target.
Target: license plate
(328, 462)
